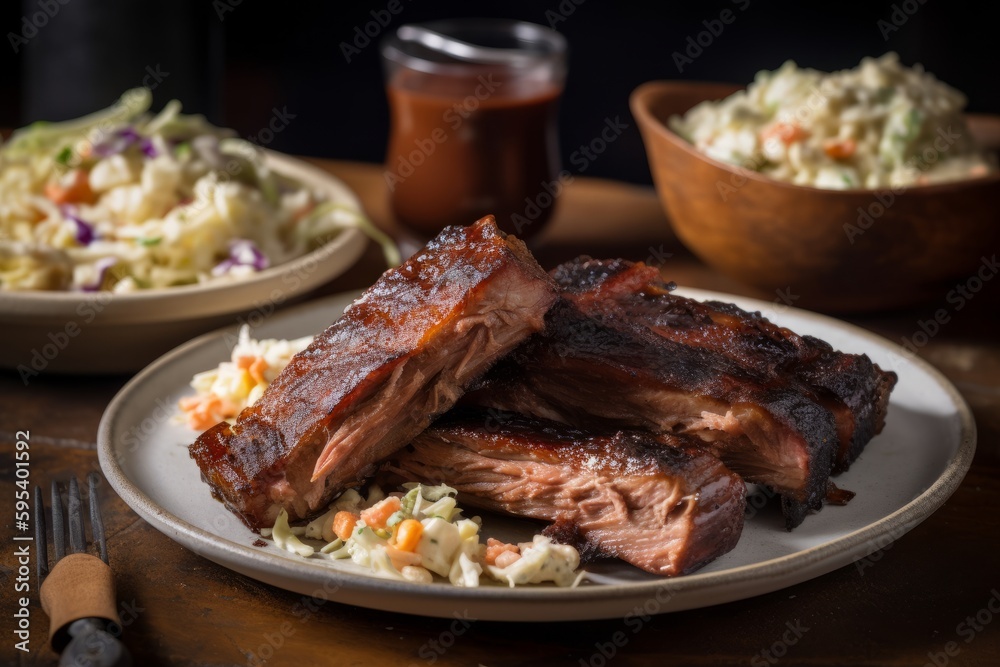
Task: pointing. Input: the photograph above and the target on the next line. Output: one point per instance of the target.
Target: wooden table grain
(932, 597)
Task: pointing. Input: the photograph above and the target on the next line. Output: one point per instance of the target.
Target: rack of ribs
(619, 349)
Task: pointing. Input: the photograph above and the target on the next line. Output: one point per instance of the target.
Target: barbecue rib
(619, 349)
(854, 389)
(665, 509)
(595, 375)
(400, 355)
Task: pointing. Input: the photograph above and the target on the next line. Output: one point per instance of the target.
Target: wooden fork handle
(78, 586)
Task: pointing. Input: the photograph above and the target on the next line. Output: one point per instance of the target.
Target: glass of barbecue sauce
(473, 106)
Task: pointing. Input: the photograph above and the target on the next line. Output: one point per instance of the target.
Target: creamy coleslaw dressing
(877, 125)
(449, 546)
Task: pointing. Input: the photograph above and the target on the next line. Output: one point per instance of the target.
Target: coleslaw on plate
(125, 200)
(408, 536)
(878, 125)
(221, 393)
(415, 535)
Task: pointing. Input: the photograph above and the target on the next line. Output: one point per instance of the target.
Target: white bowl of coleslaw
(108, 314)
(117, 332)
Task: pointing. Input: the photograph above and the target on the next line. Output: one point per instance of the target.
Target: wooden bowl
(833, 250)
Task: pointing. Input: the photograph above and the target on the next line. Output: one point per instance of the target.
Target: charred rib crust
(860, 384)
(624, 358)
(851, 386)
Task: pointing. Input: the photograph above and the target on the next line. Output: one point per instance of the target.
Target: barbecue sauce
(464, 146)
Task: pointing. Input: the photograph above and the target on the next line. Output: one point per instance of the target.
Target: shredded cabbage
(448, 547)
(223, 392)
(124, 200)
(878, 125)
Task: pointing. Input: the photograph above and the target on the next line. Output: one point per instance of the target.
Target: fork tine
(76, 542)
(58, 530)
(96, 523)
(40, 542)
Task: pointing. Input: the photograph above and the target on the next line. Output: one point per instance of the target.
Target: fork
(78, 593)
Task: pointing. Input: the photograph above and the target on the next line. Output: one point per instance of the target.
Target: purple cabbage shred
(242, 252)
(103, 265)
(85, 232)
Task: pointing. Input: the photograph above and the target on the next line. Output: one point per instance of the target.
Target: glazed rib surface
(401, 355)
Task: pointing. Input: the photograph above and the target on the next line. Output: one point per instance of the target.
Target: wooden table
(905, 610)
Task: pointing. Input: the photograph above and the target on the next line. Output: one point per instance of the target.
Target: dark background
(238, 61)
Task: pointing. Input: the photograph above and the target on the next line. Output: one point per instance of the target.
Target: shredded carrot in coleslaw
(223, 392)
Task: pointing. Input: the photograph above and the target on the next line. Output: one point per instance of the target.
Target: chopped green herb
(884, 94)
(64, 156)
(149, 241)
(912, 124)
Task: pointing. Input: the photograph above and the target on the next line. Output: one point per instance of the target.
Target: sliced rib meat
(665, 507)
(400, 355)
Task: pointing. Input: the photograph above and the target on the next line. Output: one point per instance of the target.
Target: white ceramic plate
(905, 474)
(100, 332)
